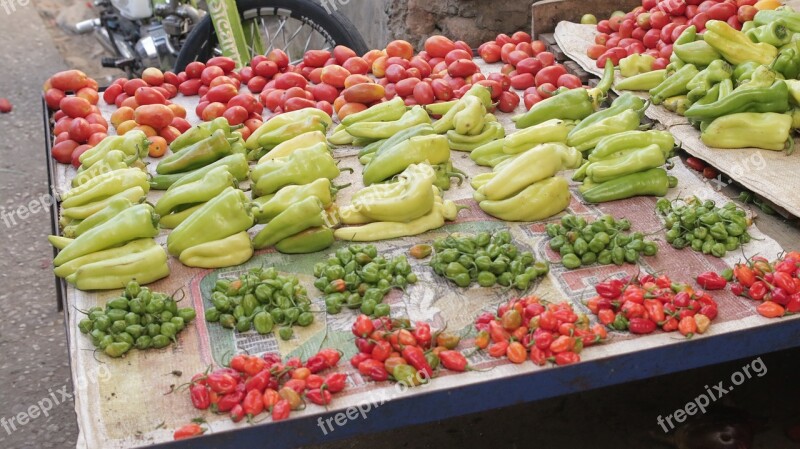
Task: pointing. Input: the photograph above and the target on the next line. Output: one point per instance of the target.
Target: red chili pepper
(238, 361)
(314, 381)
(331, 356)
(482, 340)
(758, 290)
(538, 357)
(663, 281)
(562, 344)
(336, 382)
(687, 326)
(200, 397)
(188, 431)
(794, 303)
(532, 310)
(254, 365)
(405, 338)
(338, 285)
(599, 331)
(711, 281)
(258, 382)
(422, 334)
(744, 274)
(548, 321)
(364, 345)
(655, 310)
(416, 358)
(229, 401)
(358, 358)
(641, 326)
(319, 397)
(761, 264)
(516, 353)
(784, 281)
(770, 309)
(382, 350)
(280, 410)
(237, 413)
(497, 332)
(633, 294)
(253, 403)
(453, 360)
(567, 358)
(271, 358)
(710, 311)
(780, 296)
(484, 318)
(363, 326)
(270, 398)
(633, 310)
(498, 349)
(610, 289)
(317, 363)
(671, 324)
(222, 383)
(374, 369)
(737, 288)
(606, 316)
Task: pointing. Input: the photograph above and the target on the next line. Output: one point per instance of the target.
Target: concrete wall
(474, 21)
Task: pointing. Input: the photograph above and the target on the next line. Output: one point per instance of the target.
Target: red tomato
(660, 63)
(649, 4)
(626, 28)
(439, 46)
(532, 65)
(699, 21)
(423, 93)
(531, 99)
(547, 58)
(615, 22)
(722, 11)
(651, 38)
(508, 101)
(643, 21)
(545, 90)
(638, 33)
(569, 81)
(676, 32)
(603, 27)
(733, 21)
(550, 74)
(665, 52)
(746, 13)
(666, 32)
(659, 19)
(490, 53)
(523, 81)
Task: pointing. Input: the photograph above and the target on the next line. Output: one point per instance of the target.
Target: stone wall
(474, 21)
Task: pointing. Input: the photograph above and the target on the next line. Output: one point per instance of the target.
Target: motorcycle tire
(201, 41)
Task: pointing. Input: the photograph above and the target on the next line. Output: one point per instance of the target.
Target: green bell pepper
(301, 167)
(200, 191)
(135, 222)
(433, 149)
(789, 18)
(717, 71)
(690, 50)
(574, 104)
(635, 64)
(195, 156)
(770, 131)
(774, 98)
(642, 81)
(736, 47)
(236, 164)
(588, 137)
(773, 33)
(201, 132)
(645, 158)
(309, 241)
(300, 216)
(651, 182)
(270, 206)
(221, 217)
(674, 85)
(617, 145)
(622, 103)
(788, 62)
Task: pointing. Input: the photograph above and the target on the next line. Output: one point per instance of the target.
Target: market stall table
(131, 406)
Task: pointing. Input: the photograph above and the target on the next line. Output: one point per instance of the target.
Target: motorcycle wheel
(307, 24)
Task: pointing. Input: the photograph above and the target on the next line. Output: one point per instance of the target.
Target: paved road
(33, 359)
(33, 355)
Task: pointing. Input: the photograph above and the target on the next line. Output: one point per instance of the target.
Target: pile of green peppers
(625, 165)
(737, 87)
(260, 299)
(112, 247)
(703, 226)
(602, 241)
(487, 259)
(357, 277)
(139, 319)
(284, 127)
(112, 153)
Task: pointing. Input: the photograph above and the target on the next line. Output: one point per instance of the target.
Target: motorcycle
(169, 34)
